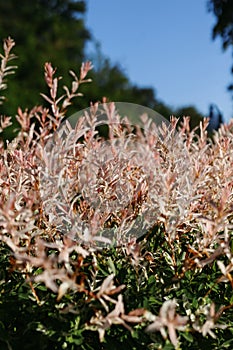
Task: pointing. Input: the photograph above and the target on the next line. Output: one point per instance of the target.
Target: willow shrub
(170, 288)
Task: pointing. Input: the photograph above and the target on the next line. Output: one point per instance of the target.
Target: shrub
(169, 288)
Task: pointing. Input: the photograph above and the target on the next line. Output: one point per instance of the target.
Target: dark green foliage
(223, 10)
(25, 324)
(55, 31)
(191, 111)
(51, 31)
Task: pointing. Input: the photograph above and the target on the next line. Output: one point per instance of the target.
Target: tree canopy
(44, 30)
(223, 10)
(55, 31)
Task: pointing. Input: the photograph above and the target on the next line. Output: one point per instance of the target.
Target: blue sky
(167, 45)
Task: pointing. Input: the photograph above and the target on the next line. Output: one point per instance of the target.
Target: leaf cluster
(169, 287)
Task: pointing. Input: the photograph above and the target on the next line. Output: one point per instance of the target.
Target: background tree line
(55, 31)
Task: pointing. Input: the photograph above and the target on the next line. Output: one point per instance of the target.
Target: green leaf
(188, 336)
(111, 265)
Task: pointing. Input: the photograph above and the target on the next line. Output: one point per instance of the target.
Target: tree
(192, 112)
(55, 31)
(223, 10)
(44, 30)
